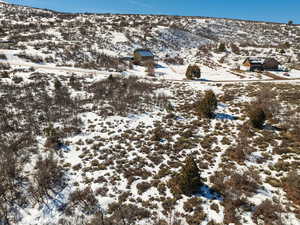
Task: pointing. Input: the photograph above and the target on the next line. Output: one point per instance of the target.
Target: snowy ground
(162, 70)
(120, 156)
(119, 143)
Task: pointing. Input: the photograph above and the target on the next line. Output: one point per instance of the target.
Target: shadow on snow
(272, 128)
(202, 79)
(208, 193)
(224, 116)
(158, 66)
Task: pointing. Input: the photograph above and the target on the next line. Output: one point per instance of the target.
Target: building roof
(256, 60)
(144, 52)
(260, 60)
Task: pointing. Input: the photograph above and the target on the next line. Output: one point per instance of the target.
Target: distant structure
(143, 57)
(261, 63)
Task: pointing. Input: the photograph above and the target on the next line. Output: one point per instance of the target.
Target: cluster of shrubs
(4, 66)
(129, 95)
(174, 60)
(31, 58)
(96, 61)
(33, 108)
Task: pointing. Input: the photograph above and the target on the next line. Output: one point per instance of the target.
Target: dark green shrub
(3, 57)
(57, 84)
(188, 180)
(207, 105)
(257, 117)
(193, 72)
(222, 47)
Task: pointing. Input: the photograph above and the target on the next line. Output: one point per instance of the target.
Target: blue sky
(267, 10)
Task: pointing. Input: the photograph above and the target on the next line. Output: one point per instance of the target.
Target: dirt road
(56, 68)
(103, 73)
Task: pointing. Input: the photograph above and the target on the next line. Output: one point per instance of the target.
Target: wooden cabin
(261, 64)
(143, 57)
(271, 64)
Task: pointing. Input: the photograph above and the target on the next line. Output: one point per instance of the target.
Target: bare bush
(4, 66)
(126, 214)
(12, 195)
(49, 179)
(84, 200)
(268, 212)
(292, 186)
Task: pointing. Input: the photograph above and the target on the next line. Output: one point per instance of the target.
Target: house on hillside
(261, 64)
(143, 57)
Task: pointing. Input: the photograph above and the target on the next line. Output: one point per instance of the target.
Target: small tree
(257, 117)
(192, 72)
(189, 178)
(207, 105)
(290, 22)
(222, 47)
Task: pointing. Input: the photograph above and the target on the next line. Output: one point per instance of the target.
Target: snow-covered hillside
(80, 39)
(88, 138)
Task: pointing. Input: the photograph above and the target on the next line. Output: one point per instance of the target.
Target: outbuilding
(261, 63)
(143, 57)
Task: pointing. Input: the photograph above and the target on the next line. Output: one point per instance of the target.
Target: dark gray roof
(261, 60)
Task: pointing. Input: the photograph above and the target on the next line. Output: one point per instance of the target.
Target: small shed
(143, 56)
(261, 63)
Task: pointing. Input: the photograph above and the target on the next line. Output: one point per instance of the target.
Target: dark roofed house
(143, 56)
(253, 64)
(260, 63)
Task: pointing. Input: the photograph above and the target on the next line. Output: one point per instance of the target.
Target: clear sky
(266, 10)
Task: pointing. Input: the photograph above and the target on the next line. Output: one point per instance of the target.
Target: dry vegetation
(74, 39)
(118, 151)
(249, 159)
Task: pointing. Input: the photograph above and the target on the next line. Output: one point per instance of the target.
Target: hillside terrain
(87, 137)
